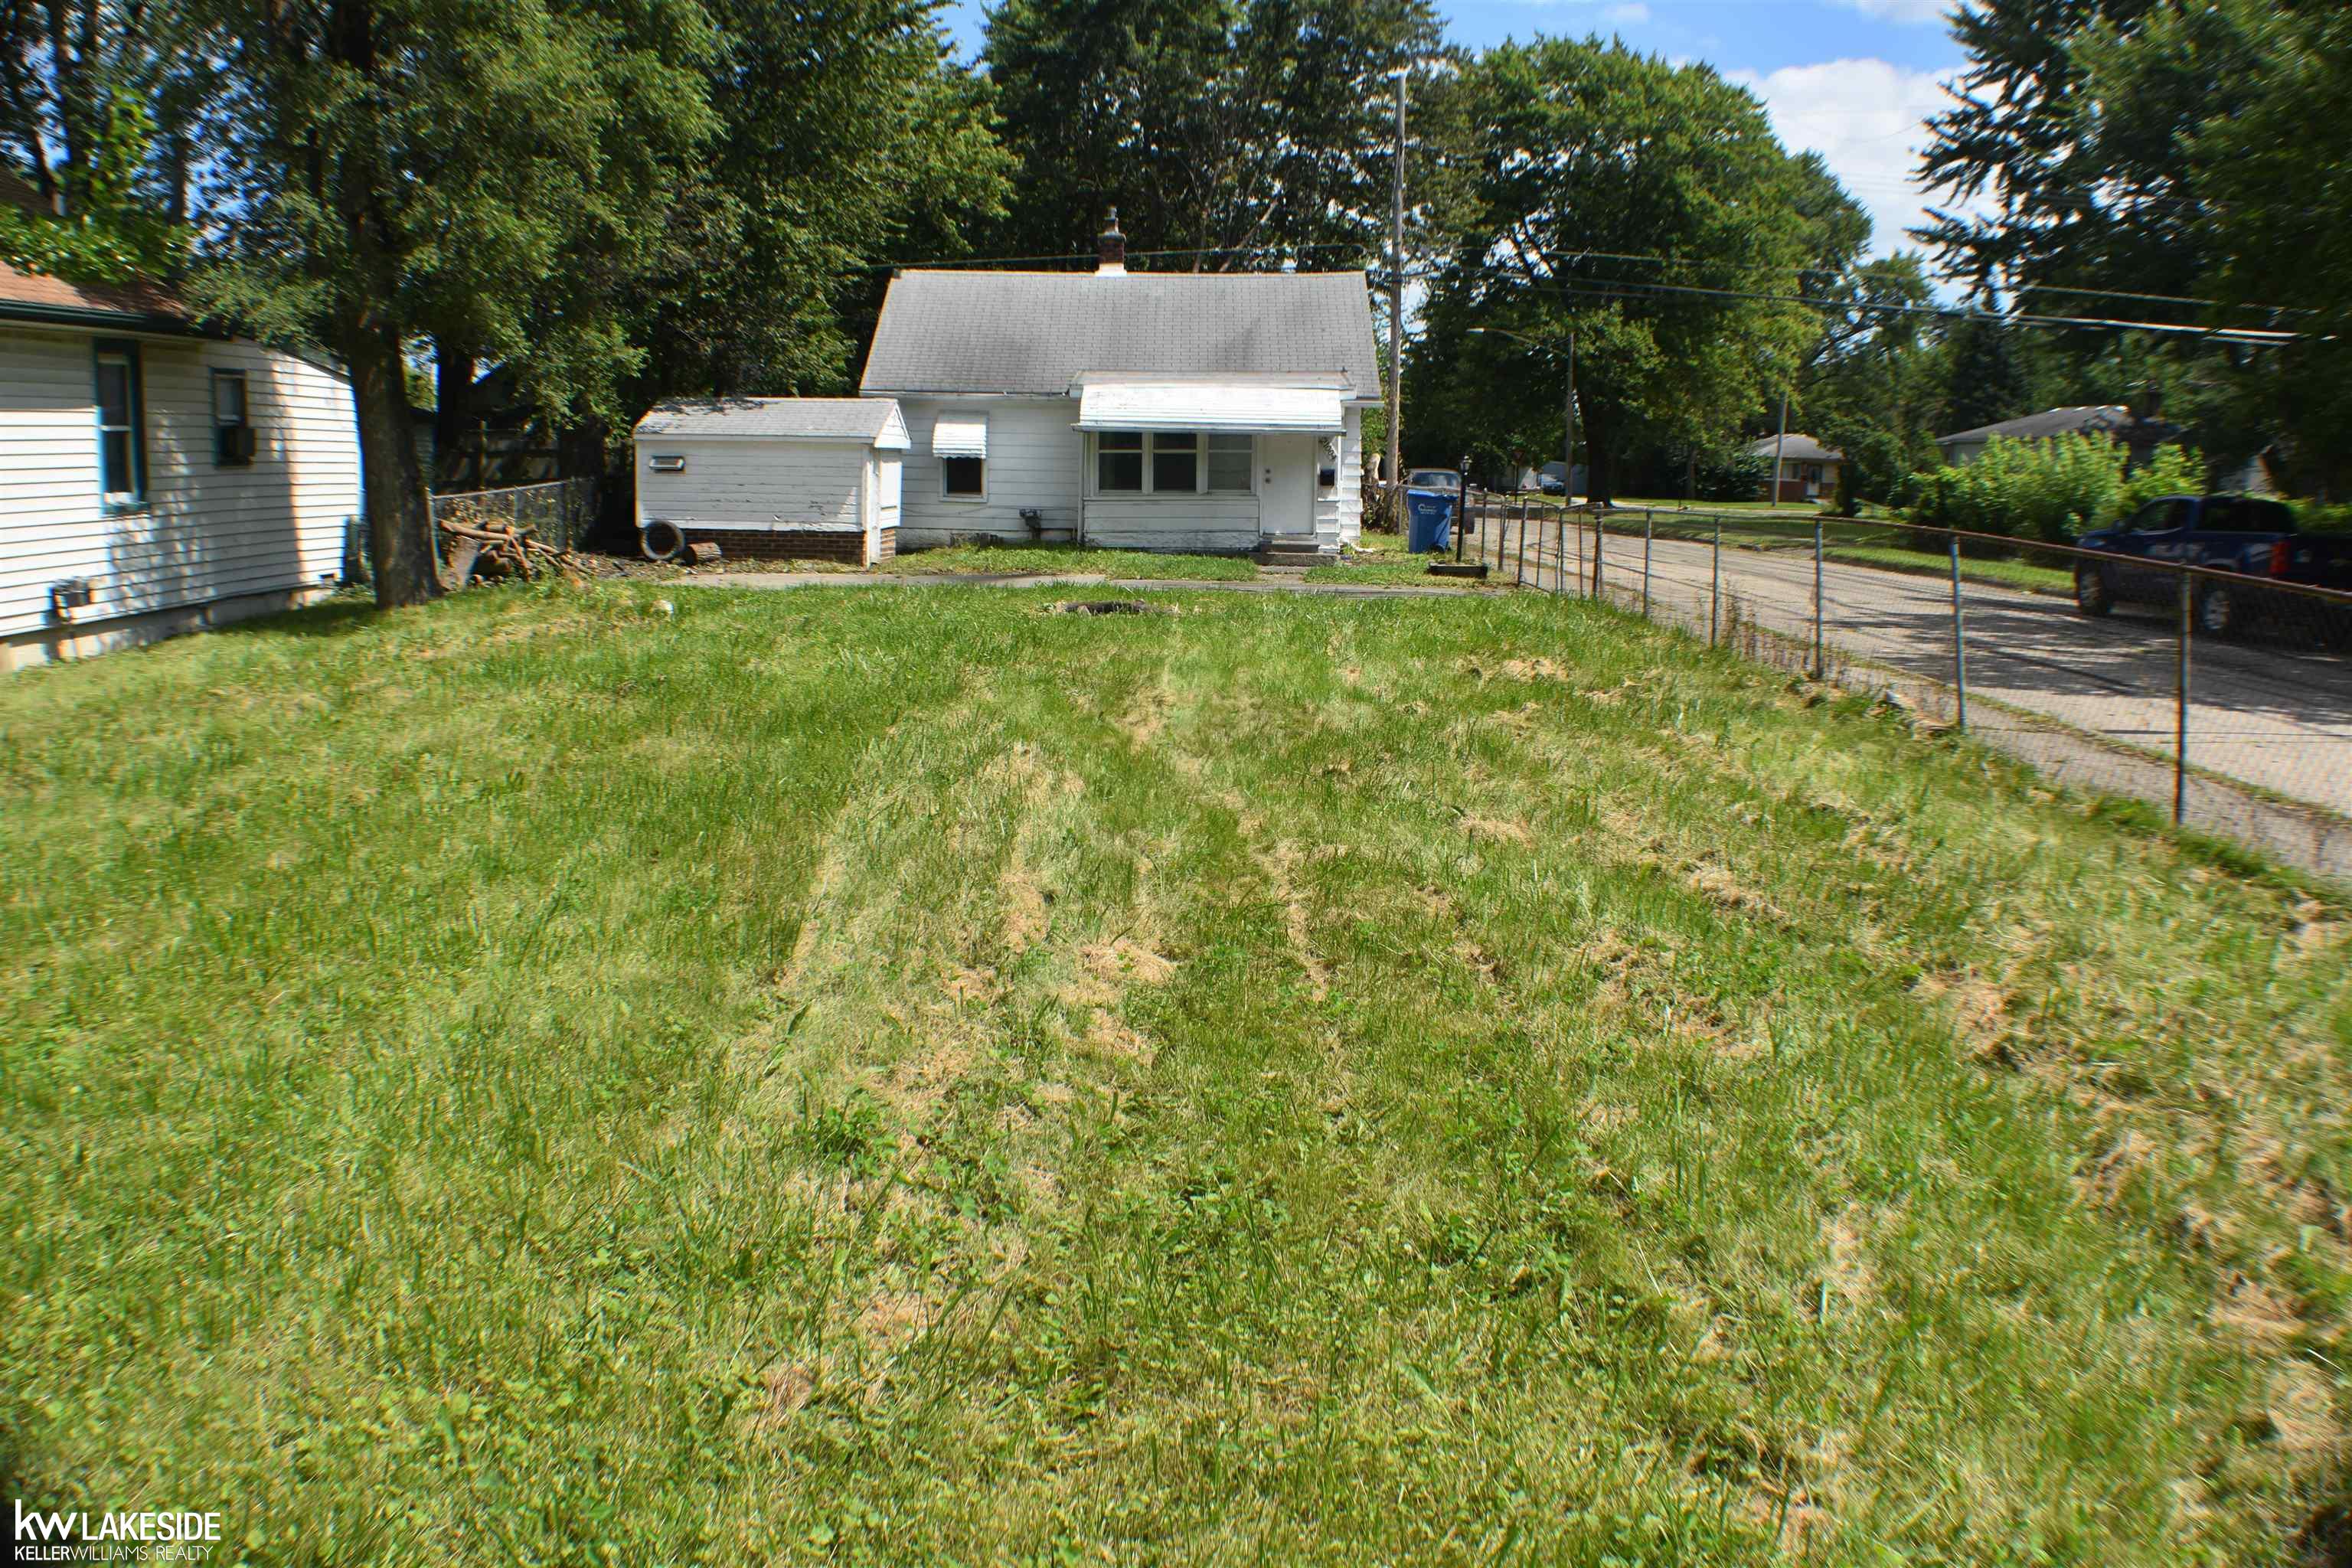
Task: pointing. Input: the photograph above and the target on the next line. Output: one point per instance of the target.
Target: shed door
(885, 493)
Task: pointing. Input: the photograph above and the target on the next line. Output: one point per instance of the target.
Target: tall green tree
(95, 100)
(2270, 164)
(846, 135)
(1579, 153)
(388, 164)
(2126, 158)
(1238, 130)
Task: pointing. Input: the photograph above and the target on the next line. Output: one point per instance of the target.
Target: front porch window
(1176, 461)
(1173, 462)
(1118, 461)
(1231, 458)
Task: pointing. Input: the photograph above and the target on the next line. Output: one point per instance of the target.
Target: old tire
(2092, 594)
(661, 541)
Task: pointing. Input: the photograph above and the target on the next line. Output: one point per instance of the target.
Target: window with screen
(1231, 458)
(1118, 460)
(965, 476)
(1175, 461)
(122, 463)
(232, 432)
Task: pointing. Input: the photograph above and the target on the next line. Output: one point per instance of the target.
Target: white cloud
(1865, 118)
(1924, 13)
(1630, 14)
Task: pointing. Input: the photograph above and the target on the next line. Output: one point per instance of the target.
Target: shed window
(1175, 460)
(121, 451)
(232, 433)
(965, 478)
(1231, 458)
(1118, 460)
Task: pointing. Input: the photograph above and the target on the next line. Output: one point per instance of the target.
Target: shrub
(2056, 491)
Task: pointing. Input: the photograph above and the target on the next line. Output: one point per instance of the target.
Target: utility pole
(1779, 443)
(1395, 475)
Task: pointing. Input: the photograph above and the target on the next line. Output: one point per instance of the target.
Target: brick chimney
(1111, 250)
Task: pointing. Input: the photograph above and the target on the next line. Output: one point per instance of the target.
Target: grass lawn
(1028, 558)
(853, 1077)
(2003, 574)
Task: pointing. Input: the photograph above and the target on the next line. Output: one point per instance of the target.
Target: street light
(1568, 409)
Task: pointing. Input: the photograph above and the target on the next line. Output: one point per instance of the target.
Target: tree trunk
(400, 555)
(453, 412)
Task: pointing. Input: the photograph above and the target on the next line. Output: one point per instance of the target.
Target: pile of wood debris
(478, 546)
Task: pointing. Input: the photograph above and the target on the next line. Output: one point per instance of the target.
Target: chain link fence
(2223, 697)
(558, 513)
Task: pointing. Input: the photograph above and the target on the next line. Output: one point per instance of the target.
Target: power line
(1623, 289)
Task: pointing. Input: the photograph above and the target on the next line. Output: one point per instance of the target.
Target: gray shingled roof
(2049, 422)
(810, 419)
(1800, 449)
(1035, 333)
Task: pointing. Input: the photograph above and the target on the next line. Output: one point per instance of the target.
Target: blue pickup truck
(2250, 536)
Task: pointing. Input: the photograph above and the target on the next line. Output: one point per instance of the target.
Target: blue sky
(1848, 78)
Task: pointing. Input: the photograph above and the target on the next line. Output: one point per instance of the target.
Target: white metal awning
(1237, 406)
(960, 435)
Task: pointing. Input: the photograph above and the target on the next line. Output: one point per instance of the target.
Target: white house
(1158, 410)
(2086, 419)
(154, 478)
(794, 478)
(1809, 469)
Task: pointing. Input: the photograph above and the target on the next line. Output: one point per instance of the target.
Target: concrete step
(1293, 549)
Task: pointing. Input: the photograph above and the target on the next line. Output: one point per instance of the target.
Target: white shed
(805, 478)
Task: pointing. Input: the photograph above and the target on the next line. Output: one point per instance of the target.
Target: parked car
(2251, 536)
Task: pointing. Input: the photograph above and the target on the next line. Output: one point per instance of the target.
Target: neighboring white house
(154, 478)
(787, 477)
(2092, 419)
(1158, 410)
(1809, 471)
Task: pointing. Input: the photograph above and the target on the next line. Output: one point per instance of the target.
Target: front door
(1285, 499)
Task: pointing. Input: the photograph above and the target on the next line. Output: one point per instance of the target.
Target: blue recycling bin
(1429, 521)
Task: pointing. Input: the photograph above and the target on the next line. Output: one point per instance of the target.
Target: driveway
(2276, 717)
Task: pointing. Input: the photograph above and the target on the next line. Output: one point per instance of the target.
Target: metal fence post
(1646, 565)
(2181, 713)
(1820, 666)
(1715, 584)
(1960, 645)
(1520, 554)
(1600, 534)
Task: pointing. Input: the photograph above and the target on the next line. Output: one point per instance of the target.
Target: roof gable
(1036, 334)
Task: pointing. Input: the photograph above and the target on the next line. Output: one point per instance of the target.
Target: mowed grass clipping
(888, 1077)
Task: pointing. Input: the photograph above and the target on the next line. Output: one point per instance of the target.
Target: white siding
(1191, 523)
(206, 533)
(746, 483)
(1035, 454)
(1351, 480)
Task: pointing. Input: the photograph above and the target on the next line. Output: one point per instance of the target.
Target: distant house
(2092, 419)
(155, 477)
(1156, 410)
(1809, 471)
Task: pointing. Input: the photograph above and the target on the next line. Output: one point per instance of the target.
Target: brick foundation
(796, 544)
